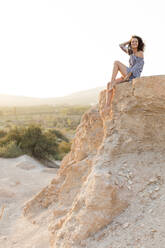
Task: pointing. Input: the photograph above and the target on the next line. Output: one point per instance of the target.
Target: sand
(20, 179)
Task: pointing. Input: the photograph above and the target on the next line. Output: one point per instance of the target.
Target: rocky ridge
(109, 189)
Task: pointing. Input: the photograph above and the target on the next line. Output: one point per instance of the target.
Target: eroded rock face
(74, 169)
(89, 191)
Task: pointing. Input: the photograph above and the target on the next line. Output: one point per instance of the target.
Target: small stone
(131, 175)
(130, 182)
(129, 187)
(3, 238)
(121, 174)
(153, 197)
(157, 188)
(125, 225)
(152, 180)
(153, 230)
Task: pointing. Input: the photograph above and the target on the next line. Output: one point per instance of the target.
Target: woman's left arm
(127, 76)
(125, 79)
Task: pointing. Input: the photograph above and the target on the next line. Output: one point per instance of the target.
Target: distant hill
(88, 97)
(11, 100)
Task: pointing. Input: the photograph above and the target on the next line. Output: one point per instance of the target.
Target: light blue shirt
(135, 66)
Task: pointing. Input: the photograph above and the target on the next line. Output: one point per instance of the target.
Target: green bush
(38, 144)
(64, 147)
(2, 133)
(58, 134)
(34, 141)
(11, 150)
(14, 134)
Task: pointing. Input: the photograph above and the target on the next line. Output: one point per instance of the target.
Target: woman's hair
(141, 44)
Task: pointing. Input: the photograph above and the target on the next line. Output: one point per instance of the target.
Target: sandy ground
(20, 179)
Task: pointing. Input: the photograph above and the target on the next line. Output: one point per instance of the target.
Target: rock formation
(116, 169)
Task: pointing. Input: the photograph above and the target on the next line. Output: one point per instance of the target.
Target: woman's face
(134, 43)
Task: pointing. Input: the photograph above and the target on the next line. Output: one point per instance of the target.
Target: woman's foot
(109, 95)
(111, 85)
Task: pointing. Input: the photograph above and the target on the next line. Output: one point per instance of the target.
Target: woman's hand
(127, 76)
(125, 43)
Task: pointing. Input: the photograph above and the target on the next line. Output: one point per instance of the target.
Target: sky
(51, 48)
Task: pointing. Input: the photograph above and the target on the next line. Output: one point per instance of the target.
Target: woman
(136, 62)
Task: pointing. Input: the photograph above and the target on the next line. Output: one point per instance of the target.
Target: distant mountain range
(88, 97)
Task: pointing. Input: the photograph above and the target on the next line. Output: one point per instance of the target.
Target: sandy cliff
(109, 190)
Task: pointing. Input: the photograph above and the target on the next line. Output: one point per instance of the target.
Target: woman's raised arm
(123, 46)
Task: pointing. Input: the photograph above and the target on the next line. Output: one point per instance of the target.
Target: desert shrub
(14, 134)
(59, 135)
(34, 141)
(60, 156)
(64, 147)
(38, 144)
(2, 133)
(10, 150)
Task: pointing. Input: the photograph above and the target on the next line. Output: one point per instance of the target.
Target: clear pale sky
(51, 48)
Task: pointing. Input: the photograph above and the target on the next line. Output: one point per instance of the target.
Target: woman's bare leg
(110, 90)
(118, 66)
(115, 71)
(122, 68)
(109, 94)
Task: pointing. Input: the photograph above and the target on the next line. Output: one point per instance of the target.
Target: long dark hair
(141, 44)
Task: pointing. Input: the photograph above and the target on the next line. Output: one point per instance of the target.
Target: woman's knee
(116, 62)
